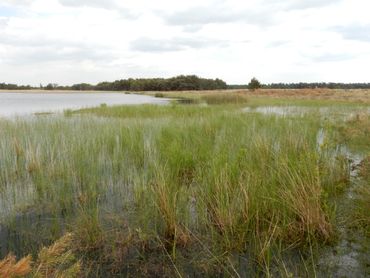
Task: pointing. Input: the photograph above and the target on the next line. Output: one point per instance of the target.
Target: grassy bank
(173, 190)
(302, 97)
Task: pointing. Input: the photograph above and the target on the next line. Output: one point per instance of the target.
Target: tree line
(303, 85)
(178, 83)
(4, 86)
(182, 83)
(324, 85)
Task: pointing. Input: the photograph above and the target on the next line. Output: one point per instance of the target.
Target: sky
(74, 41)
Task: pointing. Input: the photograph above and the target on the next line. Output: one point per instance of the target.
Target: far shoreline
(361, 96)
(39, 91)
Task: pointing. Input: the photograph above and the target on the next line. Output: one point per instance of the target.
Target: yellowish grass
(341, 95)
(54, 261)
(166, 202)
(305, 201)
(58, 260)
(10, 267)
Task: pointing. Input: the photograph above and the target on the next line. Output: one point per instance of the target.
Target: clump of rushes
(356, 131)
(304, 200)
(362, 208)
(169, 201)
(225, 98)
(88, 230)
(266, 197)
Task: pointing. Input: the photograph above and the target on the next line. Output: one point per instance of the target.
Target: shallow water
(349, 256)
(301, 111)
(19, 104)
(279, 110)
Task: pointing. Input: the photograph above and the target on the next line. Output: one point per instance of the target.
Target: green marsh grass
(225, 98)
(138, 186)
(355, 132)
(360, 212)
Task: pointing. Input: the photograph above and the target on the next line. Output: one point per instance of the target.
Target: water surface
(19, 104)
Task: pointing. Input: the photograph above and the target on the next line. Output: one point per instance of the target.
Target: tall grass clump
(225, 98)
(355, 131)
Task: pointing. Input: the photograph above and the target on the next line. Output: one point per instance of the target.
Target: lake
(19, 104)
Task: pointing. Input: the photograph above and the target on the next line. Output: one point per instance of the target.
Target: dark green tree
(51, 86)
(254, 84)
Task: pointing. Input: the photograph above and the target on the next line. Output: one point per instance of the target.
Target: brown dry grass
(58, 260)
(54, 261)
(354, 95)
(350, 95)
(9, 267)
(329, 94)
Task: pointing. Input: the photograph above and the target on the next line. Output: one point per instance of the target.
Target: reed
(225, 98)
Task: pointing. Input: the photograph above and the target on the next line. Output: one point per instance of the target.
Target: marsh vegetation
(205, 189)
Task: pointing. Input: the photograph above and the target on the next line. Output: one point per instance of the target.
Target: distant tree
(82, 87)
(254, 84)
(51, 86)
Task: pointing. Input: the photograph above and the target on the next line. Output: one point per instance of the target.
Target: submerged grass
(355, 132)
(360, 212)
(169, 190)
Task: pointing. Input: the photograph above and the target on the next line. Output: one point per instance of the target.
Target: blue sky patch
(7, 11)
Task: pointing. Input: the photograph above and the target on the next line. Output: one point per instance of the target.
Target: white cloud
(202, 15)
(302, 4)
(67, 41)
(18, 2)
(174, 44)
(3, 22)
(358, 32)
(90, 3)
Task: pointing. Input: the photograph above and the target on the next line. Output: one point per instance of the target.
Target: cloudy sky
(72, 41)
